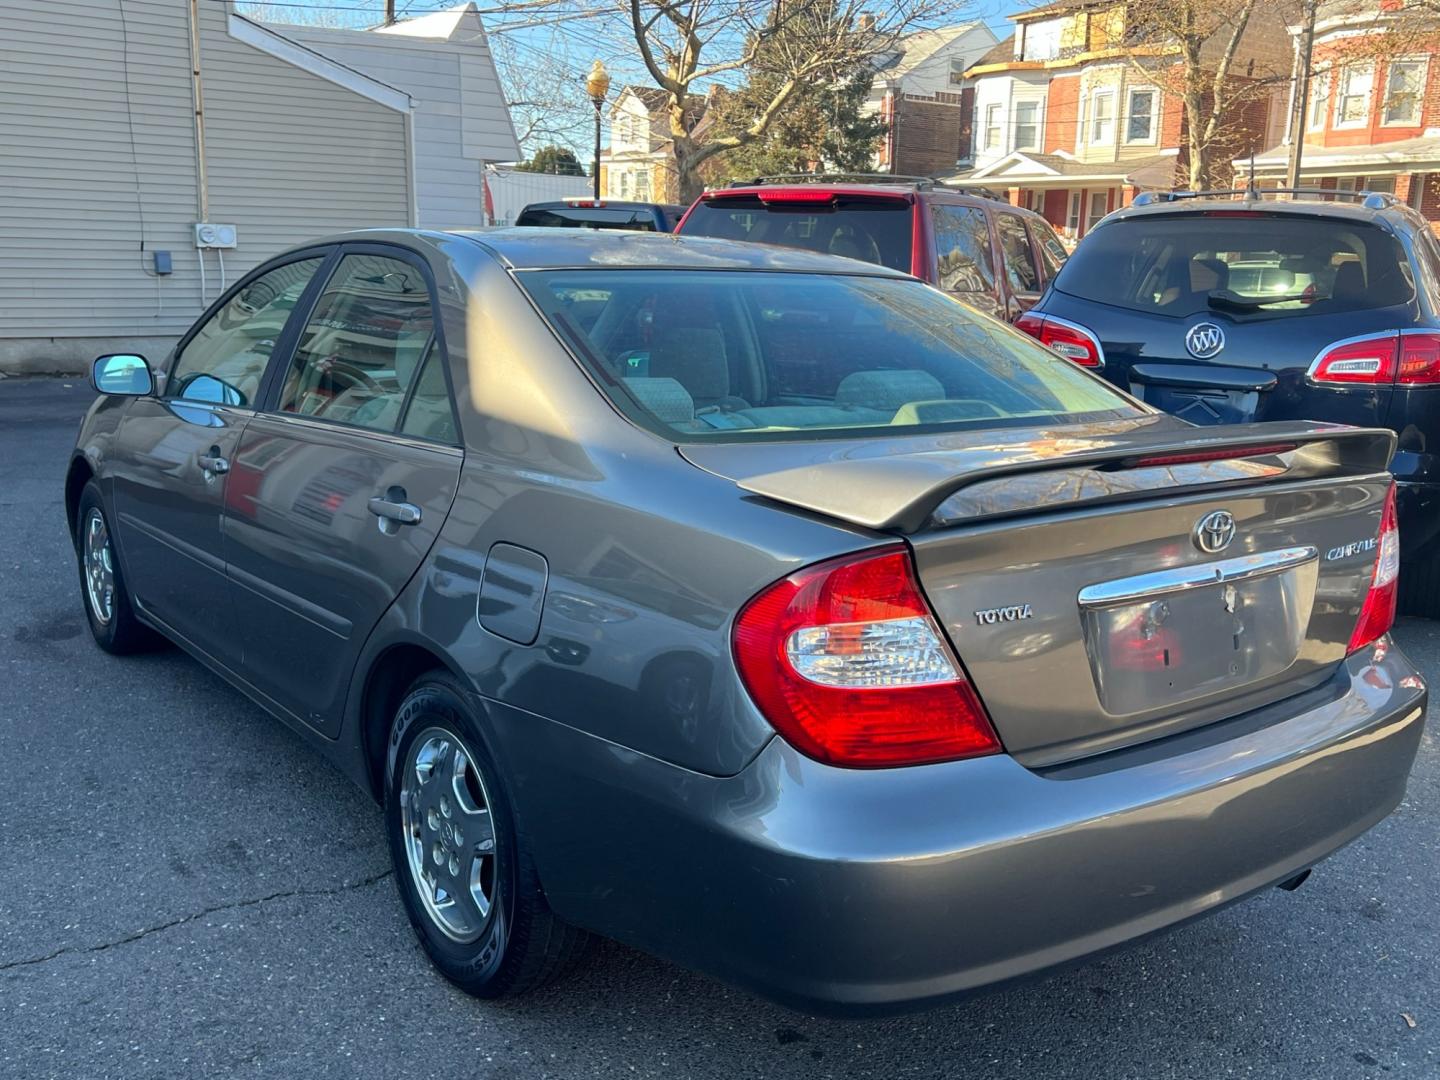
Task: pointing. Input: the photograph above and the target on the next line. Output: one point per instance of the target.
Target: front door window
(225, 359)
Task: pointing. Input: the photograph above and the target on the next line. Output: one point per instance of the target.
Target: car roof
(585, 202)
(522, 248)
(1341, 210)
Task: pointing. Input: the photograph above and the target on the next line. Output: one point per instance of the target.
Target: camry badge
(1214, 531)
(1204, 340)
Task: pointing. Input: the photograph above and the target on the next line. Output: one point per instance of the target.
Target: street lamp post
(596, 85)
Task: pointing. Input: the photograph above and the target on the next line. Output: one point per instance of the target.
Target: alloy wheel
(99, 568)
(449, 835)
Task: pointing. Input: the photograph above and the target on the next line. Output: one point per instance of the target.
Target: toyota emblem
(1204, 340)
(1214, 531)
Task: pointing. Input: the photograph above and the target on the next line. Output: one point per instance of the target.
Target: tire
(1420, 585)
(102, 584)
(442, 787)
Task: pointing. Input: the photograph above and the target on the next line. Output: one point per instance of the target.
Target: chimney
(867, 21)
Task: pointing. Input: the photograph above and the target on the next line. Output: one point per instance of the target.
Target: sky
(552, 53)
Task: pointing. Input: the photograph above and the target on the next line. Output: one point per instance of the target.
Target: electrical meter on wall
(209, 235)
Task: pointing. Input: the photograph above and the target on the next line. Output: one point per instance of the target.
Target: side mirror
(122, 374)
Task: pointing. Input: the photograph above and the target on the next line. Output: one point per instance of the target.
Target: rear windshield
(737, 355)
(872, 230)
(1242, 263)
(587, 217)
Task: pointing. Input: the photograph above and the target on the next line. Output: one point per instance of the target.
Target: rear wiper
(1223, 298)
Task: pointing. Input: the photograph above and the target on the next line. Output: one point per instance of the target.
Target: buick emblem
(1214, 531)
(1204, 340)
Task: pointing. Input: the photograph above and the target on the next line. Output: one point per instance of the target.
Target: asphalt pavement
(187, 890)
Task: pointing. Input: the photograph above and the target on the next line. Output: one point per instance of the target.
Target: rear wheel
(102, 585)
(464, 874)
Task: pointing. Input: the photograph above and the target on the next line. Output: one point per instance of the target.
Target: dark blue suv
(1223, 310)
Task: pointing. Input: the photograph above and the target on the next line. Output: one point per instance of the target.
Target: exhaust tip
(1293, 883)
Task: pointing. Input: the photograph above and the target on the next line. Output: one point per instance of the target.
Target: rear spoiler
(1004, 473)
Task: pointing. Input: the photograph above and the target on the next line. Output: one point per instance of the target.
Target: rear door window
(962, 249)
(361, 349)
(873, 230)
(1245, 263)
(1020, 269)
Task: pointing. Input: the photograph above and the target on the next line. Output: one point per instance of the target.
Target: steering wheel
(335, 369)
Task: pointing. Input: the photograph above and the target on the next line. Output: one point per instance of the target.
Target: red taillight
(1070, 340)
(847, 662)
(584, 203)
(1368, 360)
(1377, 614)
(1419, 358)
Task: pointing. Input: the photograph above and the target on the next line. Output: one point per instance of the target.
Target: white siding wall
(512, 191)
(460, 114)
(932, 75)
(290, 156)
(75, 188)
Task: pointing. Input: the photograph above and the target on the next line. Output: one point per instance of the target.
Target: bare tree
(687, 44)
(544, 91)
(1196, 51)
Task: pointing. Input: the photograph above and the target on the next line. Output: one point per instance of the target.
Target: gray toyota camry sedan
(769, 611)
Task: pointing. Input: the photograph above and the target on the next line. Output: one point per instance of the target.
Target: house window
(1099, 207)
(1072, 216)
(1353, 101)
(1140, 124)
(993, 130)
(1384, 185)
(642, 186)
(1102, 116)
(625, 185)
(1027, 125)
(1319, 100)
(1404, 86)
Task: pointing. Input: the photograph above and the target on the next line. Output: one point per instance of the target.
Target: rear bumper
(853, 891)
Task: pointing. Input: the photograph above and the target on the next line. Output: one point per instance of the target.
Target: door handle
(213, 462)
(403, 512)
(393, 510)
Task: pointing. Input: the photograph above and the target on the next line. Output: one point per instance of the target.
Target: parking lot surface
(187, 890)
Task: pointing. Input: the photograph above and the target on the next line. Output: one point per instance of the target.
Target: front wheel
(464, 876)
(102, 585)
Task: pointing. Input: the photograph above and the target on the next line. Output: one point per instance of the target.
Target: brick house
(1070, 119)
(1372, 115)
(919, 89)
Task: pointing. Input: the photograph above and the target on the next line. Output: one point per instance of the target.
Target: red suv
(994, 256)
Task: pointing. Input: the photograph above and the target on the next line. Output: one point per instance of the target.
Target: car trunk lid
(1119, 582)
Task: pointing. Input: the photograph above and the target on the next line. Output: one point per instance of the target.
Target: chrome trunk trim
(1166, 582)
